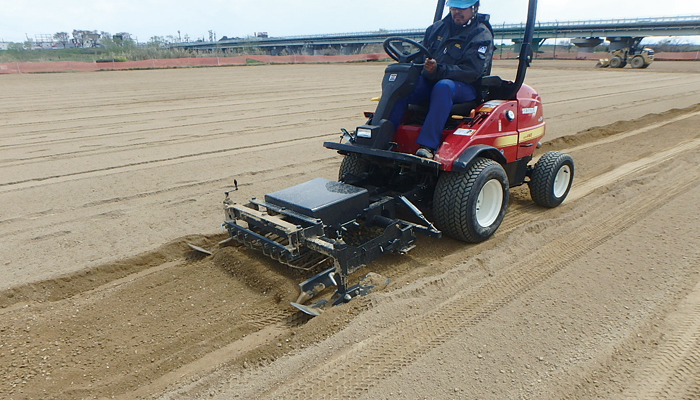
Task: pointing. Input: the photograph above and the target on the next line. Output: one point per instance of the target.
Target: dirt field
(105, 176)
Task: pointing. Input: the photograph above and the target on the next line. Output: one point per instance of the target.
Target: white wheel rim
(561, 181)
(489, 203)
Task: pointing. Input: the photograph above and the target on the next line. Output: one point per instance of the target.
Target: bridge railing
(689, 23)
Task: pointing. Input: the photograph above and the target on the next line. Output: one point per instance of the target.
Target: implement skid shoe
(199, 249)
(367, 285)
(314, 309)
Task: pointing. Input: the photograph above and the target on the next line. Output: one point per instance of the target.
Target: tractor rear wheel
(637, 62)
(470, 205)
(551, 179)
(352, 165)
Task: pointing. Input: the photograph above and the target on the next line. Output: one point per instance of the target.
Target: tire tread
(543, 178)
(450, 208)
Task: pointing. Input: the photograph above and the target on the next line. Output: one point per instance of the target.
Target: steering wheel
(400, 54)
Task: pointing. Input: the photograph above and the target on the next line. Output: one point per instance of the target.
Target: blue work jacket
(465, 54)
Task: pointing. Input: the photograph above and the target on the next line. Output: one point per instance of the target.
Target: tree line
(92, 45)
(83, 39)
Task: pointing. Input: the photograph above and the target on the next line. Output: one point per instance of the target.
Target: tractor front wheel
(352, 165)
(551, 179)
(470, 205)
(616, 62)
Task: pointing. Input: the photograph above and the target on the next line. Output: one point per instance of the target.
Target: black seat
(488, 88)
(493, 88)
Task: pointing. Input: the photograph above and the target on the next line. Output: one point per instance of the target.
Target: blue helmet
(461, 3)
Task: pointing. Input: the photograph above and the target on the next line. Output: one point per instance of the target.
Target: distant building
(4, 45)
(121, 37)
(44, 41)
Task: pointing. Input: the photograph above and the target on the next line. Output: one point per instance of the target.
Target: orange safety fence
(565, 55)
(65, 66)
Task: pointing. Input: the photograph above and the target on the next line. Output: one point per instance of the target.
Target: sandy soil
(106, 176)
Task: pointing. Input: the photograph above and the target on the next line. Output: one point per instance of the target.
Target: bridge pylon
(587, 45)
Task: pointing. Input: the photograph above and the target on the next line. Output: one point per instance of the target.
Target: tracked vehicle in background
(385, 196)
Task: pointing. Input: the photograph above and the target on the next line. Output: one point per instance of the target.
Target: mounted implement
(385, 195)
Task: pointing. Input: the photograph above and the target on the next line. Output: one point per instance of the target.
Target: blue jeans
(442, 95)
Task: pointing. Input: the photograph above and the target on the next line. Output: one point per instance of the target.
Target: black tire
(551, 179)
(459, 206)
(352, 165)
(616, 62)
(637, 62)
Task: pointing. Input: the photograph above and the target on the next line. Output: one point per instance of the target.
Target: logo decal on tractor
(526, 136)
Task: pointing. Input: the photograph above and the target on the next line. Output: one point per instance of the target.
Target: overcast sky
(144, 19)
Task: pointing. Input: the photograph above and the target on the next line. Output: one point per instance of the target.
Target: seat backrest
(491, 88)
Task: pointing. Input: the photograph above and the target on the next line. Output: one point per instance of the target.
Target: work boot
(425, 152)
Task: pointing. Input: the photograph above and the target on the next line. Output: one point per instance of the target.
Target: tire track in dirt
(117, 209)
(185, 91)
(647, 101)
(674, 370)
(583, 105)
(131, 146)
(413, 338)
(616, 93)
(260, 141)
(54, 218)
(209, 118)
(630, 169)
(364, 365)
(202, 134)
(169, 316)
(624, 135)
(255, 93)
(521, 213)
(123, 200)
(254, 320)
(27, 183)
(269, 318)
(210, 361)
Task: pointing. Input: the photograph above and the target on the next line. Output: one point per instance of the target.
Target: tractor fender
(462, 162)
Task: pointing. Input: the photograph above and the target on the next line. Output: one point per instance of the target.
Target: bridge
(585, 34)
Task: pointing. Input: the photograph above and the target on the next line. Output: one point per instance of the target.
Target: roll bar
(526, 52)
(439, 10)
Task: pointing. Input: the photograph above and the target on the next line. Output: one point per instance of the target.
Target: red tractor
(487, 149)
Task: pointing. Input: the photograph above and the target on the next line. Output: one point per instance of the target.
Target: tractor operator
(462, 46)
